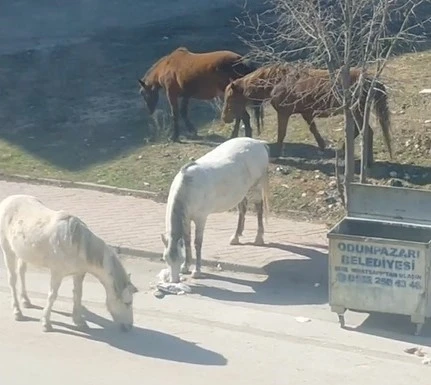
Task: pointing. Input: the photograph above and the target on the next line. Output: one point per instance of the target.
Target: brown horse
(308, 92)
(194, 75)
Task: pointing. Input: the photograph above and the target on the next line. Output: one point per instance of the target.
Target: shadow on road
(144, 342)
(392, 326)
(289, 282)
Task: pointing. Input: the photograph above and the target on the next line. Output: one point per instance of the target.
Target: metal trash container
(379, 254)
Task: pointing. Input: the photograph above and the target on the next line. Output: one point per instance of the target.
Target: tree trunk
(366, 134)
(349, 133)
(349, 156)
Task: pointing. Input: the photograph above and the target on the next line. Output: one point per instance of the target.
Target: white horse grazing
(216, 182)
(32, 233)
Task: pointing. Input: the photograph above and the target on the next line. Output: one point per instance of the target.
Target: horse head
(150, 94)
(119, 299)
(174, 256)
(234, 102)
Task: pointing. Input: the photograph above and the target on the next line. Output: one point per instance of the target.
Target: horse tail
(382, 112)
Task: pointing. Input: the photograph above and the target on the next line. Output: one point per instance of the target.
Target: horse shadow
(310, 158)
(298, 281)
(142, 342)
(300, 150)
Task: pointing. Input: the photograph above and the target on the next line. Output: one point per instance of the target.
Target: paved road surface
(196, 339)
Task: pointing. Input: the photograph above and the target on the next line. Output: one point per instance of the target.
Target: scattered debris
(282, 170)
(219, 268)
(331, 200)
(158, 294)
(317, 284)
(395, 182)
(425, 91)
(418, 352)
(165, 287)
(412, 350)
(393, 174)
(302, 319)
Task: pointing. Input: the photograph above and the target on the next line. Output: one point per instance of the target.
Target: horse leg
(184, 114)
(260, 230)
(77, 316)
(52, 296)
(242, 209)
(22, 269)
(173, 102)
(282, 119)
(10, 262)
(199, 235)
(235, 130)
(185, 268)
(247, 126)
(313, 129)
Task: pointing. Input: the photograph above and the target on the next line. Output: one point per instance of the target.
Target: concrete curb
(224, 266)
(79, 185)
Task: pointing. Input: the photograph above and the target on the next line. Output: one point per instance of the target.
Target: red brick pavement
(135, 224)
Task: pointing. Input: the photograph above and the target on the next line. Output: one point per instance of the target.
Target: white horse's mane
(96, 251)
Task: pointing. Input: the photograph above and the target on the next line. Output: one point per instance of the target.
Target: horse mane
(94, 250)
(163, 58)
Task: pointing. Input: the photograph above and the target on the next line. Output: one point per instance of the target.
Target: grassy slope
(302, 186)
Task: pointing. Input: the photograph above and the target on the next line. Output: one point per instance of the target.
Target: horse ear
(164, 240)
(143, 85)
(134, 289)
(235, 87)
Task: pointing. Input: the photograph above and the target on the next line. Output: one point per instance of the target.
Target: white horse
(216, 182)
(32, 233)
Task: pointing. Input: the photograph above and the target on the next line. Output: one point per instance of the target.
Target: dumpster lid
(397, 204)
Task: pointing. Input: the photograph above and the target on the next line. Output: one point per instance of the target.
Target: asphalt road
(195, 338)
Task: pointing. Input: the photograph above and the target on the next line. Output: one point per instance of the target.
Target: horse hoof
(18, 317)
(234, 240)
(185, 270)
(174, 139)
(47, 327)
(26, 304)
(197, 274)
(81, 325)
(259, 241)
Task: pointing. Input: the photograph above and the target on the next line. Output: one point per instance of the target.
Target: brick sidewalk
(135, 225)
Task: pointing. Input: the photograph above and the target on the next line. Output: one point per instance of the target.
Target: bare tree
(339, 35)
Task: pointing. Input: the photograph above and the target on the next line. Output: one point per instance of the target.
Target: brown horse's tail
(382, 112)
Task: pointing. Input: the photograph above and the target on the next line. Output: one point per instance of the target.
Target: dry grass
(302, 186)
